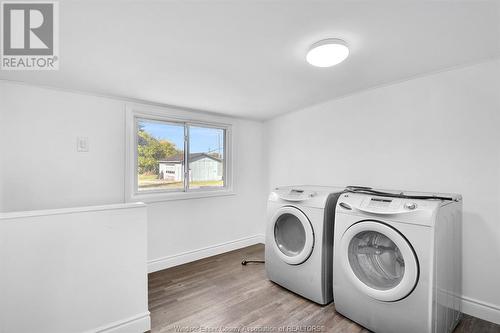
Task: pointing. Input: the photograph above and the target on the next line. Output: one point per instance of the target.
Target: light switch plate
(82, 144)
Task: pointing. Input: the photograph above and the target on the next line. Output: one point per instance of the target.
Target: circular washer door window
(379, 261)
(293, 235)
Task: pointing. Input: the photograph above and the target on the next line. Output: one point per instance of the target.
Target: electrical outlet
(82, 144)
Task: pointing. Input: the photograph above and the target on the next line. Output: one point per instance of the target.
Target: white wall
(435, 133)
(41, 166)
(43, 170)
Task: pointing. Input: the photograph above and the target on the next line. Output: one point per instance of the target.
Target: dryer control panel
(302, 195)
(296, 194)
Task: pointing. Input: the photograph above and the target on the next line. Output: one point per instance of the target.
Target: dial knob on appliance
(410, 205)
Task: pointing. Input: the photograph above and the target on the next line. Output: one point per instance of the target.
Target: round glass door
(380, 261)
(293, 235)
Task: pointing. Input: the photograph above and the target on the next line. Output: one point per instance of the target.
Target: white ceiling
(246, 58)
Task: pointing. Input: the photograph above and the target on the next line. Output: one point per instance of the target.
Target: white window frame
(172, 116)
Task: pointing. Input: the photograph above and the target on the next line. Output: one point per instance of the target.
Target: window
(173, 158)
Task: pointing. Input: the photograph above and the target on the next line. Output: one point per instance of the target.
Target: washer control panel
(379, 202)
(408, 210)
(388, 205)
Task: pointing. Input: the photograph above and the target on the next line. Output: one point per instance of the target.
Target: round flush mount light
(327, 52)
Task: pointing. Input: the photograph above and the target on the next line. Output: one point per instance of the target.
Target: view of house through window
(161, 158)
(206, 157)
(158, 142)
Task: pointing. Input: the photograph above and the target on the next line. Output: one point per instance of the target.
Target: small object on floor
(245, 262)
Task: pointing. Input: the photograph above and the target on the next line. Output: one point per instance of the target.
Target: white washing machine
(397, 260)
(299, 235)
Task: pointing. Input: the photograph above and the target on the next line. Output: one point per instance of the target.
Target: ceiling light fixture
(327, 52)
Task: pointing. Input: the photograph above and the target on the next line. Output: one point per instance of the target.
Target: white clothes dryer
(299, 235)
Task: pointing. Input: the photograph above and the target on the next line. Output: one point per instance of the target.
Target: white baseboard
(480, 309)
(136, 324)
(185, 257)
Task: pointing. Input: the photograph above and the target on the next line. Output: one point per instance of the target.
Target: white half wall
(2, 140)
(435, 133)
(43, 170)
(74, 270)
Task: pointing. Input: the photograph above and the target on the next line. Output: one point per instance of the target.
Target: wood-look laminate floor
(218, 294)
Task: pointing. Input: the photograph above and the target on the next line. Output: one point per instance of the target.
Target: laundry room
(249, 166)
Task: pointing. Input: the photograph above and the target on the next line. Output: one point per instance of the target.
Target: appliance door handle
(345, 206)
(364, 210)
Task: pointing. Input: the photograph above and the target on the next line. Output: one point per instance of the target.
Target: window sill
(160, 197)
